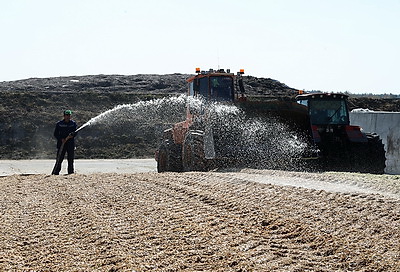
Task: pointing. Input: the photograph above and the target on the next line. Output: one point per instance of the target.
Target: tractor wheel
(369, 157)
(169, 158)
(193, 157)
(376, 152)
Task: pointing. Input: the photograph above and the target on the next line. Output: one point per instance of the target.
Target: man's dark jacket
(62, 130)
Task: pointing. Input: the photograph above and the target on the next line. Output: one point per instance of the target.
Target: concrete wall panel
(387, 125)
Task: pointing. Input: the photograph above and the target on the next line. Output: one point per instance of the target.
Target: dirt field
(216, 221)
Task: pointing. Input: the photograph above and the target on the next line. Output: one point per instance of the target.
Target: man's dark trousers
(69, 148)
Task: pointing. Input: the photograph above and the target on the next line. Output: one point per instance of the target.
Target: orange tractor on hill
(322, 120)
(189, 145)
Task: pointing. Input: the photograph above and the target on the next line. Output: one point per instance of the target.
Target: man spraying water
(65, 132)
(66, 129)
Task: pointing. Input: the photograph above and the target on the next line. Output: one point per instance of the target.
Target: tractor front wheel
(193, 156)
(169, 157)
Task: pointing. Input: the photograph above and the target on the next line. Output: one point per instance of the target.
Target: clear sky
(327, 45)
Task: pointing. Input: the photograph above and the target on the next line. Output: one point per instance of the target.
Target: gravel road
(248, 220)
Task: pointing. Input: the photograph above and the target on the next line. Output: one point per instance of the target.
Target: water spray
(266, 141)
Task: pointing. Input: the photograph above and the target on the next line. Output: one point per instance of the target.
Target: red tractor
(341, 146)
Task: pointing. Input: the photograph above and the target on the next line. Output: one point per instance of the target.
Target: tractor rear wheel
(376, 151)
(369, 157)
(193, 156)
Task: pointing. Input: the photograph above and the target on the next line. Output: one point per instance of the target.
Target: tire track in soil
(191, 222)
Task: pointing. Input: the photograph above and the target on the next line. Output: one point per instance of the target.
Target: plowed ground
(211, 221)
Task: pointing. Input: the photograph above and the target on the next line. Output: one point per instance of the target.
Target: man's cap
(67, 112)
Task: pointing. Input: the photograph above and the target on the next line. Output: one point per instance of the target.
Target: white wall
(387, 125)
